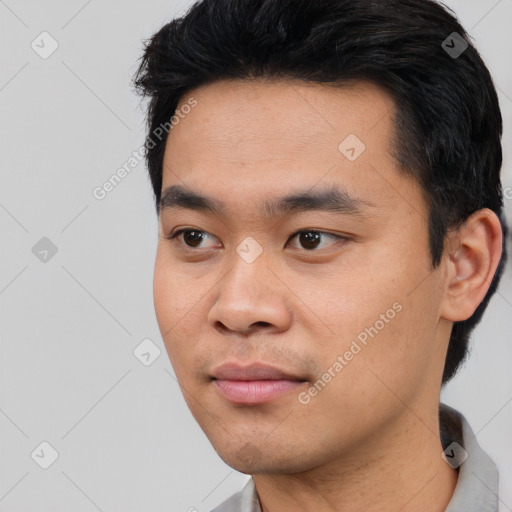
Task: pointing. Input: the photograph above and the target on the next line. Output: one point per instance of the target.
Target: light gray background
(124, 436)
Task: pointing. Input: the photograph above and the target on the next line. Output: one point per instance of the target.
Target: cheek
(163, 293)
(379, 322)
(180, 312)
(170, 307)
(399, 346)
(175, 296)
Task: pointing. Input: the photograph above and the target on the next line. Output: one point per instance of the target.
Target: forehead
(249, 139)
(238, 113)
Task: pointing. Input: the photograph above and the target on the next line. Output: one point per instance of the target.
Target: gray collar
(477, 485)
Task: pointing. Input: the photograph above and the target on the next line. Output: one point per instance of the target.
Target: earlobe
(472, 255)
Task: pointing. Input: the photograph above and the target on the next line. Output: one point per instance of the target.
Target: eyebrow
(333, 199)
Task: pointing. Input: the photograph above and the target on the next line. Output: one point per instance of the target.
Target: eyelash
(173, 237)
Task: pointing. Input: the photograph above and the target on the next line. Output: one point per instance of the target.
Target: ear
(472, 254)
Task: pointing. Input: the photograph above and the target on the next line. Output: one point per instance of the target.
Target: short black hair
(448, 124)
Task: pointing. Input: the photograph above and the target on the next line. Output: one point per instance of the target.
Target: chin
(251, 459)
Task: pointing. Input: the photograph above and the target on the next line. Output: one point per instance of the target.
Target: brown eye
(192, 238)
(311, 240)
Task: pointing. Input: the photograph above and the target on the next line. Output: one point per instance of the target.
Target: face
(298, 306)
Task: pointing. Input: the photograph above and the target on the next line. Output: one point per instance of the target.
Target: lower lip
(255, 391)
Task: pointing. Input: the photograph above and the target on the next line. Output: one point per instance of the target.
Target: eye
(191, 237)
(310, 239)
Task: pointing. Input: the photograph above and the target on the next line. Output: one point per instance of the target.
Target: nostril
(261, 324)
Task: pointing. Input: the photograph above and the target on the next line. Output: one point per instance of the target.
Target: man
(331, 231)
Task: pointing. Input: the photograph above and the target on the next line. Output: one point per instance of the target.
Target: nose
(251, 297)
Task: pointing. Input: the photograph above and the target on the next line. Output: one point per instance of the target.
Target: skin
(370, 438)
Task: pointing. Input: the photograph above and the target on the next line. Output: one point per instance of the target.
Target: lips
(255, 371)
(253, 384)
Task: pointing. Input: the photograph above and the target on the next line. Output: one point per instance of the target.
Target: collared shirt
(477, 484)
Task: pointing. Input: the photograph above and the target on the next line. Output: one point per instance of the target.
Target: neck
(401, 470)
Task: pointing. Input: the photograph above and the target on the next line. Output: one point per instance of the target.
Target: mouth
(255, 383)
